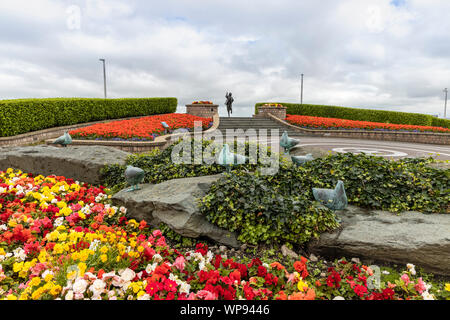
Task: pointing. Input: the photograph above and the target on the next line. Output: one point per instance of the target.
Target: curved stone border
(160, 142)
(417, 137)
(41, 135)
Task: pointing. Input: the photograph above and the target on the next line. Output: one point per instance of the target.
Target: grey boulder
(82, 163)
(408, 237)
(174, 203)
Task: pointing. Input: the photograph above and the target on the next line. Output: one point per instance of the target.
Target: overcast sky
(384, 54)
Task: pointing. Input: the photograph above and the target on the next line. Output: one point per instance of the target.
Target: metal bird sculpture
(227, 159)
(288, 143)
(134, 176)
(333, 199)
(299, 160)
(64, 140)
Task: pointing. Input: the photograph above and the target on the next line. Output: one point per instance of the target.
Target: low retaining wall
(417, 137)
(160, 142)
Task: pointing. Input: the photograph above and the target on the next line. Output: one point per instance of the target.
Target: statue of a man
(229, 103)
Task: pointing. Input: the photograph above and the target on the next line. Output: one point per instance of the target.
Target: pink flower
(405, 279)
(205, 295)
(420, 286)
(179, 263)
(157, 233)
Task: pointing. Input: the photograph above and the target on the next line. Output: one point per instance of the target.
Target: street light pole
(445, 105)
(104, 76)
(301, 92)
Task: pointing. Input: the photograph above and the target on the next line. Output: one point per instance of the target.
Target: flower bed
(141, 129)
(202, 102)
(343, 124)
(60, 239)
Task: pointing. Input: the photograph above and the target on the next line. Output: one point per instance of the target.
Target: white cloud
(356, 53)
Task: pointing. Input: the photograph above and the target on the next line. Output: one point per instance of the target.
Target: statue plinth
(202, 110)
(279, 112)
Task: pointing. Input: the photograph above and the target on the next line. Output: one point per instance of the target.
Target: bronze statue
(229, 103)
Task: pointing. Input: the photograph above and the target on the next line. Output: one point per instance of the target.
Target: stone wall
(415, 137)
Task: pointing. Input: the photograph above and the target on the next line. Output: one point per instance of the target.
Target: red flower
(262, 271)
(170, 285)
(153, 287)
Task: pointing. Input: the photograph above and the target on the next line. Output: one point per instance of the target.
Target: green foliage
(159, 167)
(280, 208)
(363, 114)
(26, 115)
(378, 183)
(266, 209)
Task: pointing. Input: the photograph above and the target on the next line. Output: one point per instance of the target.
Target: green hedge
(26, 115)
(363, 114)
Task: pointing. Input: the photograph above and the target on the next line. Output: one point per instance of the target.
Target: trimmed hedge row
(363, 114)
(26, 115)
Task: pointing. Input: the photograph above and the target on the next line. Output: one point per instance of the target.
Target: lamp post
(445, 104)
(104, 76)
(301, 92)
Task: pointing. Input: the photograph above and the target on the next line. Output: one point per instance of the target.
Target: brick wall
(202, 110)
(279, 112)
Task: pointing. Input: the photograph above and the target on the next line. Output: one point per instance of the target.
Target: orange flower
(309, 295)
(281, 296)
(277, 265)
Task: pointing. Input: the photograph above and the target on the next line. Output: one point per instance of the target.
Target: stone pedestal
(202, 110)
(279, 112)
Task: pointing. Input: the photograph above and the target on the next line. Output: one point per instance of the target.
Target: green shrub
(159, 167)
(26, 115)
(363, 114)
(266, 209)
(281, 208)
(379, 183)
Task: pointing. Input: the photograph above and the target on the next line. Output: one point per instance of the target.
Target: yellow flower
(447, 287)
(104, 257)
(66, 211)
(35, 281)
(82, 268)
(55, 290)
(17, 266)
(48, 277)
(72, 275)
(302, 286)
(11, 297)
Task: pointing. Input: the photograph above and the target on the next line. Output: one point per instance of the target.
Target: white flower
(94, 245)
(80, 285)
(123, 210)
(385, 272)
(111, 294)
(59, 221)
(45, 273)
(151, 267)
(98, 286)
(157, 258)
(3, 227)
(19, 253)
(54, 201)
(69, 295)
(108, 275)
(144, 297)
(339, 298)
(185, 288)
(127, 274)
(427, 296)
(202, 265)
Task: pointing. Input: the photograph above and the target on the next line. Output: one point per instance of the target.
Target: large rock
(409, 237)
(82, 163)
(174, 203)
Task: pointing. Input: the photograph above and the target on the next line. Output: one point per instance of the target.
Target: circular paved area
(390, 149)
